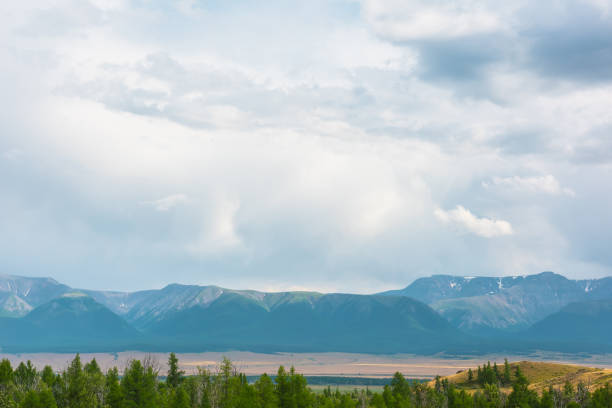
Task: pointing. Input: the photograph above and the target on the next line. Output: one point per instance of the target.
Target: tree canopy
(139, 386)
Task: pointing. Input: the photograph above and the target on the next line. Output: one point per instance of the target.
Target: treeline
(491, 375)
(141, 386)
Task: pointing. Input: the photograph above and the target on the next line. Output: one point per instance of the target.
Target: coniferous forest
(141, 385)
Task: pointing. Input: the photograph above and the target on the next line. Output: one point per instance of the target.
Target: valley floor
(315, 364)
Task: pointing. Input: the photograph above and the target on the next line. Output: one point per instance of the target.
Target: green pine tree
(507, 379)
(30, 400)
(139, 386)
(175, 376)
(46, 398)
(48, 376)
(76, 385)
(179, 398)
(521, 396)
(6, 371)
(265, 392)
(114, 396)
(25, 377)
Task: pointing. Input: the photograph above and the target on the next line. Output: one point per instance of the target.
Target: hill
(543, 375)
(579, 322)
(71, 322)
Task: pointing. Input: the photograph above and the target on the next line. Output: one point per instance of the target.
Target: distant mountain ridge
(438, 287)
(311, 322)
(197, 318)
(489, 305)
(435, 314)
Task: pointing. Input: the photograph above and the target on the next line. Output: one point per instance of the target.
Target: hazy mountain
(597, 288)
(193, 317)
(120, 302)
(198, 318)
(19, 295)
(485, 305)
(72, 320)
(155, 305)
(40, 314)
(309, 322)
(579, 322)
(166, 303)
(438, 287)
(12, 305)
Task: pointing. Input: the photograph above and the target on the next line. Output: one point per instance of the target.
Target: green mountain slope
(308, 322)
(580, 322)
(73, 321)
(167, 302)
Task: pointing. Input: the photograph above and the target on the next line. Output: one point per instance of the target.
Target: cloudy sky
(332, 145)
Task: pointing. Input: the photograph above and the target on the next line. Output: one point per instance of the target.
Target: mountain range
(494, 306)
(441, 313)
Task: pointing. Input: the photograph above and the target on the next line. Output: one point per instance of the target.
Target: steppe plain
(313, 364)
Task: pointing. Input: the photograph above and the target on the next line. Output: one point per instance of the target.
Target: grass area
(333, 381)
(344, 384)
(347, 388)
(543, 375)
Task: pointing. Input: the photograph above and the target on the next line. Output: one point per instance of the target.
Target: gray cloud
(595, 148)
(568, 40)
(463, 58)
(571, 40)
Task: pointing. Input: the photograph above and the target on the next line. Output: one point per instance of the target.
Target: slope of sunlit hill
(541, 375)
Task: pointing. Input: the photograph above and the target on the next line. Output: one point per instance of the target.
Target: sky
(334, 145)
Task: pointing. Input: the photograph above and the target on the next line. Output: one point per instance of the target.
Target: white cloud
(218, 231)
(484, 227)
(399, 20)
(167, 203)
(537, 184)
